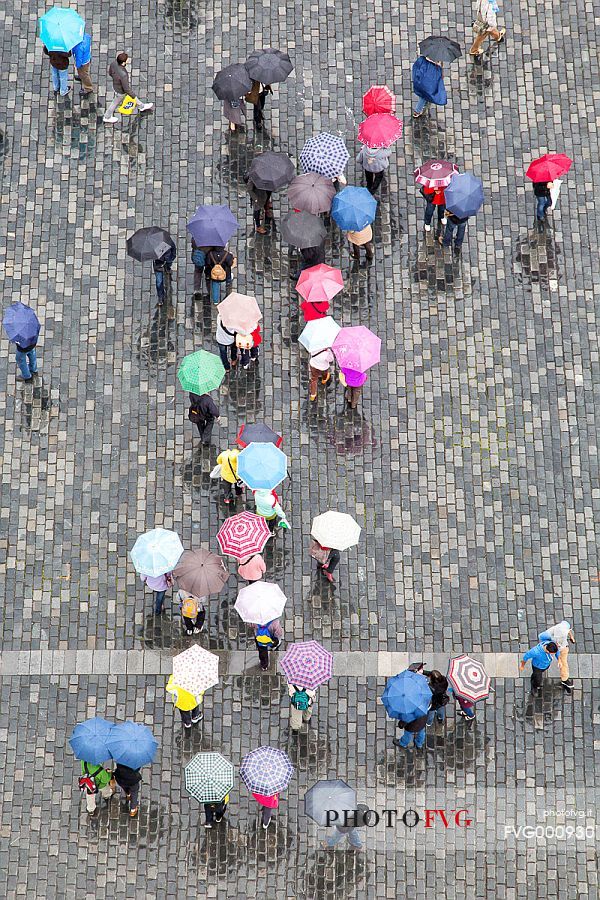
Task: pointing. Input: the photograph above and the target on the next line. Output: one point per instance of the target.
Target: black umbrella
(302, 229)
(258, 432)
(269, 65)
(271, 170)
(149, 243)
(440, 49)
(232, 82)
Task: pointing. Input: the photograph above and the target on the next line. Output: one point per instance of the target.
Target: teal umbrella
(156, 552)
(201, 372)
(61, 29)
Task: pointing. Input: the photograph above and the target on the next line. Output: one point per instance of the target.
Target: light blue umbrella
(407, 696)
(353, 208)
(156, 552)
(61, 29)
(89, 740)
(262, 465)
(464, 195)
(132, 744)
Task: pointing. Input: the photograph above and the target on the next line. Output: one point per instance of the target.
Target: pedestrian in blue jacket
(428, 84)
(82, 57)
(541, 658)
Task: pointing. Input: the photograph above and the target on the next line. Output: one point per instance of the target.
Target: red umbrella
(435, 173)
(319, 283)
(242, 535)
(549, 166)
(378, 99)
(312, 310)
(380, 130)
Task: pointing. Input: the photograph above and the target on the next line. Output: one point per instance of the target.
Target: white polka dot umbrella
(195, 670)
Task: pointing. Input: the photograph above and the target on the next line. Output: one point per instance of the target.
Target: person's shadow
(155, 343)
(181, 15)
(536, 256)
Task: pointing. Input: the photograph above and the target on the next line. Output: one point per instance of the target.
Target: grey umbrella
(301, 229)
(269, 65)
(333, 795)
(312, 193)
(232, 82)
(271, 170)
(149, 243)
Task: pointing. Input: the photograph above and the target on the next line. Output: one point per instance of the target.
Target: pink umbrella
(319, 283)
(243, 535)
(357, 348)
(380, 130)
(239, 312)
(307, 664)
(435, 173)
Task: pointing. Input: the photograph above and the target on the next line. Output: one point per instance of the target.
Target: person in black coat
(454, 222)
(214, 812)
(203, 413)
(543, 198)
(439, 696)
(129, 781)
(310, 256)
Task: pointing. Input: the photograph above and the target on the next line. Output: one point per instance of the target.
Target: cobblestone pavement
(471, 463)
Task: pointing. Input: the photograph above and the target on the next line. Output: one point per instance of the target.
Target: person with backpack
(267, 637)
(268, 506)
(301, 705)
(129, 782)
(358, 239)
(193, 612)
(252, 568)
(95, 780)
(327, 558)
(219, 263)
(199, 260)
(203, 413)
(214, 812)
(187, 703)
(248, 345)
(159, 584)
(227, 459)
(428, 84)
(162, 275)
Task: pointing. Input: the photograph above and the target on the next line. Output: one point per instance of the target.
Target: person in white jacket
(486, 26)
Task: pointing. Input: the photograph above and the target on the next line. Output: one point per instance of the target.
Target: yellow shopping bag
(128, 105)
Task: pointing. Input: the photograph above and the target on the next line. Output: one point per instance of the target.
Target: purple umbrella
(21, 324)
(307, 664)
(266, 771)
(212, 226)
(357, 348)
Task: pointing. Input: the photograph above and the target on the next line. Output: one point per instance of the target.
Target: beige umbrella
(240, 312)
(336, 530)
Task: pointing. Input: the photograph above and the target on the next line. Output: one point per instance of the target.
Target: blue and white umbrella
(156, 552)
(89, 740)
(353, 208)
(325, 154)
(266, 771)
(132, 744)
(262, 466)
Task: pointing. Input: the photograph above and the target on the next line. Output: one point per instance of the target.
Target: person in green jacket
(102, 779)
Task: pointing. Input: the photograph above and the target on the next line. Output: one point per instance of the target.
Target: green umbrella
(201, 372)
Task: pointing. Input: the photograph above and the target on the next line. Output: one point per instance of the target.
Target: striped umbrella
(325, 154)
(195, 670)
(209, 777)
(307, 664)
(242, 535)
(266, 771)
(468, 678)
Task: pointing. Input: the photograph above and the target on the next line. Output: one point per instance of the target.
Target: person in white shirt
(486, 26)
(318, 366)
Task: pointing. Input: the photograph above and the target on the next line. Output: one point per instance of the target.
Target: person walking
(159, 584)
(353, 382)
(454, 222)
(95, 781)
(82, 57)
(199, 260)
(162, 275)
(486, 26)
(466, 708)
(252, 568)
(327, 558)
(227, 459)
(301, 705)
(193, 612)
(428, 84)
(129, 781)
(375, 161)
(122, 88)
(543, 201)
(560, 634)
(309, 257)
(188, 704)
(339, 832)
(267, 637)
(413, 731)
(541, 658)
(439, 691)
(27, 362)
(215, 812)
(59, 71)
(435, 200)
(248, 345)
(203, 413)
(319, 365)
(227, 346)
(363, 238)
(257, 96)
(261, 206)
(219, 263)
(268, 804)
(235, 113)
(268, 506)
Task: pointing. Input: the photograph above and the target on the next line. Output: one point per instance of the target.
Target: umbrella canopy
(407, 696)
(61, 29)
(311, 192)
(379, 99)
(549, 166)
(195, 670)
(319, 334)
(353, 208)
(132, 744)
(325, 154)
(232, 82)
(380, 130)
(271, 170)
(435, 173)
(440, 49)
(262, 465)
(200, 572)
(269, 65)
(239, 312)
(314, 309)
(201, 372)
(21, 324)
(260, 603)
(243, 535)
(258, 433)
(209, 777)
(149, 243)
(266, 771)
(307, 664)
(302, 229)
(212, 226)
(336, 530)
(357, 348)
(464, 195)
(468, 678)
(332, 794)
(318, 283)
(156, 552)
(89, 741)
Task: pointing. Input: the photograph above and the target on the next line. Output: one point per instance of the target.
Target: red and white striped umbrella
(242, 535)
(468, 678)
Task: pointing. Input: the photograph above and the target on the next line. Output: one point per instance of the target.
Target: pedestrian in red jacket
(435, 199)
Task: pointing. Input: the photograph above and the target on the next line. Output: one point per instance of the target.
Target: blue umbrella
(407, 696)
(464, 195)
(132, 744)
(89, 741)
(21, 324)
(324, 154)
(61, 29)
(266, 771)
(353, 208)
(212, 226)
(156, 552)
(262, 465)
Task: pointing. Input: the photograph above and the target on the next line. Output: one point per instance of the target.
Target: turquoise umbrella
(200, 372)
(156, 552)
(61, 29)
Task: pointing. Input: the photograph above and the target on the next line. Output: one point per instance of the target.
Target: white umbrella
(260, 602)
(156, 552)
(319, 334)
(195, 670)
(336, 530)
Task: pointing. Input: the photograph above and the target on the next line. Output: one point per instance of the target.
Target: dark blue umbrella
(353, 208)
(131, 744)
(89, 741)
(325, 154)
(464, 195)
(212, 226)
(266, 770)
(407, 696)
(21, 324)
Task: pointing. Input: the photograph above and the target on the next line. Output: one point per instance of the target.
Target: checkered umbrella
(324, 154)
(266, 771)
(209, 777)
(200, 372)
(242, 535)
(307, 664)
(468, 678)
(260, 603)
(195, 670)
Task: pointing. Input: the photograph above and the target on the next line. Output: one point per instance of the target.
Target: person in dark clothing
(454, 222)
(541, 189)
(27, 361)
(199, 260)
(259, 108)
(203, 413)
(129, 781)
(59, 70)
(309, 256)
(162, 275)
(219, 262)
(415, 730)
(439, 687)
(261, 203)
(122, 87)
(214, 812)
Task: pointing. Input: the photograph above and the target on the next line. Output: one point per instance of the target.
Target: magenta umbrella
(357, 348)
(380, 130)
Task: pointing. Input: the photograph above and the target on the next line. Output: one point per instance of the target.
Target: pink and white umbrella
(195, 670)
(242, 535)
(380, 130)
(357, 348)
(239, 312)
(260, 603)
(468, 678)
(307, 664)
(319, 283)
(435, 173)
